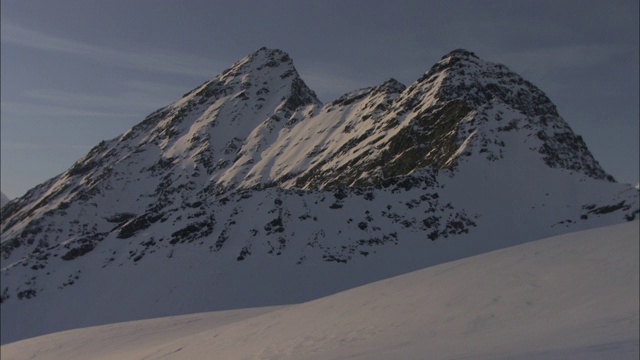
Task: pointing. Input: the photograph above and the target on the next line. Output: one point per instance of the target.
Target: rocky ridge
(250, 169)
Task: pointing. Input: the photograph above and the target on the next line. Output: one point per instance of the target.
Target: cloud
(129, 98)
(25, 109)
(182, 64)
(136, 100)
(43, 146)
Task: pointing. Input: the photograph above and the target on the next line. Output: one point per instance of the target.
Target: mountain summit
(248, 191)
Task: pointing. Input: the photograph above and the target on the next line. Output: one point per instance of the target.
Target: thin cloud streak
(138, 99)
(43, 111)
(127, 100)
(43, 146)
(166, 63)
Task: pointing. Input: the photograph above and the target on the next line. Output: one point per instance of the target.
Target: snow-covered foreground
(574, 296)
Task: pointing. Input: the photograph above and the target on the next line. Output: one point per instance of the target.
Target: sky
(75, 72)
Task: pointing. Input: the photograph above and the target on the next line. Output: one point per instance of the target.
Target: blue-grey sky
(75, 72)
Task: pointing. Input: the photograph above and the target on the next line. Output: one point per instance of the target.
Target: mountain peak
(270, 57)
(268, 51)
(249, 169)
(462, 62)
(265, 61)
(393, 84)
(460, 53)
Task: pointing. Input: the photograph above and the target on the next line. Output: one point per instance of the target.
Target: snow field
(573, 296)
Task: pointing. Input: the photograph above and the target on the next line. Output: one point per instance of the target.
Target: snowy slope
(565, 297)
(248, 192)
(276, 247)
(462, 106)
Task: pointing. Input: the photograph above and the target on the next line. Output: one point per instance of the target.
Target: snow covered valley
(573, 296)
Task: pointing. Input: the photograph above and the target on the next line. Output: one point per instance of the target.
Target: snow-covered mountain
(566, 297)
(250, 192)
